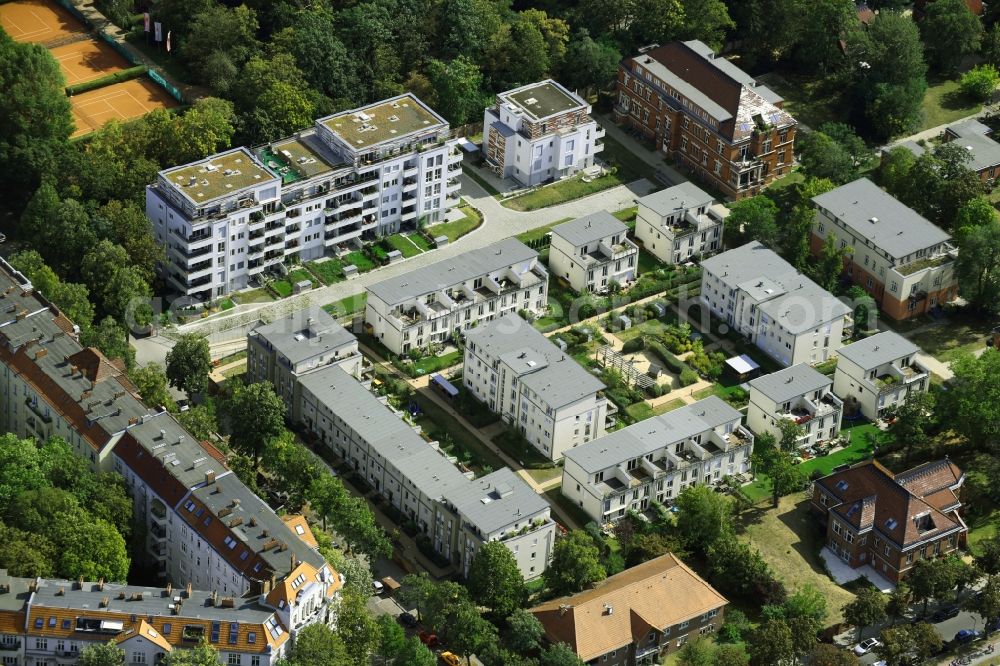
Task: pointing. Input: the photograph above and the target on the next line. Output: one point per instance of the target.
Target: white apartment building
(51, 621)
(351, 177)
(592, 251)
(428, 305)
(799, 394)
(553, 402)
(877, 373)
(454, 510)
(285, 349)
(540, 132)
(655, 459)
(203, 526)
(899, 257)
(788, 316)
(681, 223)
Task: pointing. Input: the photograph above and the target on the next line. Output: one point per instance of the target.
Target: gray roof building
(305, 333)
(973, 135)
(652, 434)
(678, 197)
(589, 228)
(878, 349)
(546, 369)
(442, 274)
(878, 217)
(495, 501)
(784, 385)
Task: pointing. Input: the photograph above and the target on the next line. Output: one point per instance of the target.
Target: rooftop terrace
(387, 120)
(218, 175)
(293, 159)
(541, 100)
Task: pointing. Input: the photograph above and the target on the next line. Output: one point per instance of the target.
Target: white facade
(654, 460)
(228, 218)
(799, 394)
(540, 132)
(877, 373)
(592, 252)
(681, 223)
(536, 388)
(429, 305)
(760, 295)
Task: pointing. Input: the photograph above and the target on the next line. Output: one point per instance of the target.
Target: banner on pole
(145, 22)
(158, 31)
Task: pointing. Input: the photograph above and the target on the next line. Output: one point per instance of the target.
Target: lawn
(327, 272)
(403, 244)
(518, 448)
(347, 306)
(647, 262)
(458, 228)
(253, 296)
(436, 422)
(812, 100)
(576, 514)
(653, 327)
(428, 364)
(545, 474)
(724, 389)
(789, 540)
(641, 411)
(788, 179)
(283, 288)
(420, 241)
(946, 340)
(359, 259)
(539, 232)
(226, 304)
(945, 103)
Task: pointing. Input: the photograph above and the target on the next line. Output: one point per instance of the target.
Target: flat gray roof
(496, 500)
(789, 383)
(678, 197)
(968, 127)
(448, 272)
(652, 434)
(896, 229)
(804, 306)
(305, 333)
(880, 348)
(589, 228)
(390, 436)
(555, 376)
(543, 99)
(984, 151)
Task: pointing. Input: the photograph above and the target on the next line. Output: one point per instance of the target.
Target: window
(234, 659)
(138, 657)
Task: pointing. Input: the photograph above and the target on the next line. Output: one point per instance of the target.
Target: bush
(980, 82)
(672, 363)
(688, 377)
(117, 77)
(633, 345)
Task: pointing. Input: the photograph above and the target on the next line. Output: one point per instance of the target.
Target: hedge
(117, 77)
(672, 363)
(633, 345)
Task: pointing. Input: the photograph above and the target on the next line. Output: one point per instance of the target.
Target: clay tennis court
(122, 101)
(38, 21)
(87, 60)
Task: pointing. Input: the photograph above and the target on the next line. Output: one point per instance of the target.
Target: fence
(120, 48)
(166, 85)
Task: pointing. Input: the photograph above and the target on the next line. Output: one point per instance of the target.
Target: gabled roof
(589, 228)
(677, 198)
(896, 506)
(144, 631)
(876, 216)
(624, 608)
(878, 349)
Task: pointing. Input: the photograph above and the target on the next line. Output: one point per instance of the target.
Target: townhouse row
(203, 526)
(314, 365)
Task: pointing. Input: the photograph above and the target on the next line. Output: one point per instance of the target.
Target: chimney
(608, 609)
(72, 371)
(61, 592)
(79, 583)
(215, 598)
(291, 564)
(563, 609)
(209, 477)
(105, 601)
(41, 353)
(188, 591)
(170, 588)
(100, 584)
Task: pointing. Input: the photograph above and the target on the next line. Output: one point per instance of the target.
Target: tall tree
(866, 609)
(356, 628)
(112, 339)
(978, 266)
(559, 654)
(102, 654)
(830, 264)
(255, 415)
(322, 57)
(703, 517)
(898, 602)
(826, 654)
(525, 631)
(318, 645)
(151, 383)
(459, 89)
(203, 654)
(494, 580)
(416, 653)
(971, 401)
(914, 417)
(754, 219)
(707, 20)
(35, 120)
(828, 22)
(188, 364)
(589, 64)
(575, 564)
(771, 644)
(822, 157)
(950, 31)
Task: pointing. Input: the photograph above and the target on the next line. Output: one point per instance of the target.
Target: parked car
(427, 638)
(945, 613)
(866, 646)
(407, 620)
(377, 587)
(967, 635)
(450, 658)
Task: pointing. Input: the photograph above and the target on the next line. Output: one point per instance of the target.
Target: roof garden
(293, 160)
(921, 264)
(383, 121)
(544, 99)
(218, 175)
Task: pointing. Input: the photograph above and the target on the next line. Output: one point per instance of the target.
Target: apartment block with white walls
(799, 394)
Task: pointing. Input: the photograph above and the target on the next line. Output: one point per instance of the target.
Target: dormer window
(891, 524)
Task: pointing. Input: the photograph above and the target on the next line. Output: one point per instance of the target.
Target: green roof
(374, 124)
(218, 175)
(294, 160)
(543, 99)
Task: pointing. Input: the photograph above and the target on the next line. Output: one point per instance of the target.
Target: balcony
(599, 132)
(806, 409)
(38, 411)
(158, 533)
(605, 252)
(158, 510)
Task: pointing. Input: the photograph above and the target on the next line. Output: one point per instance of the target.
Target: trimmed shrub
(117, 77)
(688, 377)
(633, 345)
(672, 363)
